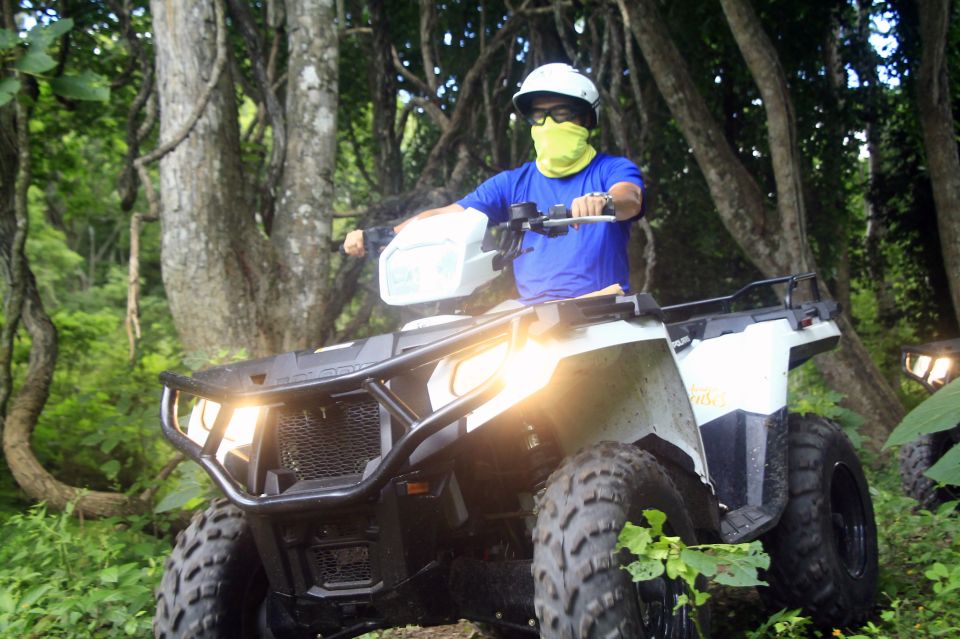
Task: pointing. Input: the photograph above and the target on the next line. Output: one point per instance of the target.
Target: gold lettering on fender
(708, 396)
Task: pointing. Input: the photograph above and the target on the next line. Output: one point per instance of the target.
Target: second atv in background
(934, 365)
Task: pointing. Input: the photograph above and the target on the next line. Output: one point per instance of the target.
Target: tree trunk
(302, 230)
(849, 367)
(775, 246)
(764, 65)
(210, 250)
(864, 62)
(939, 135)
(383, 89)
(736, 194)
(260, 295)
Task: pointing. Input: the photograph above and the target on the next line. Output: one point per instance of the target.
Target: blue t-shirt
(580, 262)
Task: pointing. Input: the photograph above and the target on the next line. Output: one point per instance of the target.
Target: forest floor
(732, 610)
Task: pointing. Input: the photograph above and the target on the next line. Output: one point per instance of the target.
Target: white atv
(482, 467)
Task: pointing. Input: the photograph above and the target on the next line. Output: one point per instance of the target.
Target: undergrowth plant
(657, 553)
(64, 577)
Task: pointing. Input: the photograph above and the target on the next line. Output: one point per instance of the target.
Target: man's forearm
(627, 200)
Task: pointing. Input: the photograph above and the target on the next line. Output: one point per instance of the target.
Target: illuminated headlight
(919, 364)
(239, 431)
(522, 367)
(940, 372)
(419, 270)
(936, 371)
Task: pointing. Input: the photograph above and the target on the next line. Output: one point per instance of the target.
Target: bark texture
(939, 135)
(775, 242)
(209, 243)
(229, 285)
(736, 194)
(302, 229)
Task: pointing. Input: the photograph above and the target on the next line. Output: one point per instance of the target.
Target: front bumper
(514, 326)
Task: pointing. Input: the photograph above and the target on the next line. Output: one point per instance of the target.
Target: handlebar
(376, 238)
(566, 221)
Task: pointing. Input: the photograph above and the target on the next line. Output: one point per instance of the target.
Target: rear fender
(748, 370)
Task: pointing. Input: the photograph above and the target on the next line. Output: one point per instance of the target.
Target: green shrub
(64, 577)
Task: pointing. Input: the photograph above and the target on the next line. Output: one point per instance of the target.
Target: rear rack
(726, 302)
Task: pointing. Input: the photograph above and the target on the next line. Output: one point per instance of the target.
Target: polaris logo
(681, 342)
(324, 373)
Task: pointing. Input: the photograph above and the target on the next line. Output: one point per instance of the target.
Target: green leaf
(938, 413)
(34, 62)
(111, 468)
(8, 88)
(645, 569)
(729, 564)
(110, 574)
(947, 468)
(177, 499)
(656, 519)
(85, 86)
(8, 603)
(42, 36)
(8, 39)
(634, 538)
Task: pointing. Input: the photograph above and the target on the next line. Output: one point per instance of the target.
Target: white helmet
(559, 79)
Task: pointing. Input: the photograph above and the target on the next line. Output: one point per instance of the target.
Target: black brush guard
(514, 326)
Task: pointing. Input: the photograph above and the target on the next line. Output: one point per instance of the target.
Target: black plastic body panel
(747, 456)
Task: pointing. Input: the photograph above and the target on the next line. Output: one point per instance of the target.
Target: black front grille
(343, 565)
(329, 441)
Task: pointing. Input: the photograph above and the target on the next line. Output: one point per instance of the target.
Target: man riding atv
(562, 106)
(482, 467)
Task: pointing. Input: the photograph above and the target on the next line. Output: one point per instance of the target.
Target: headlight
(239, 431)
(934, 371)
(423, 270)
(521, 367)
(940, 372)
(476, 369)
(918, 364)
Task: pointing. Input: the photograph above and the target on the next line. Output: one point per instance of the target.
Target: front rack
(514, 326)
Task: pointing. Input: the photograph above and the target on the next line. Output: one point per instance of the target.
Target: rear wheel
(824, 549)
(213, 584)
(916, 458)
(580, 590)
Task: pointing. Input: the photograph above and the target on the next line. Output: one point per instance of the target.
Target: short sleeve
(624, 170)
(621, 170)
(490, 197)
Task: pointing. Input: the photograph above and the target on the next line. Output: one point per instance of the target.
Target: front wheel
(213, 584)
(916, 457)
(580, 588)
(824, 549)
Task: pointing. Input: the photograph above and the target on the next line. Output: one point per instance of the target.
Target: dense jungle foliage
(80, 96)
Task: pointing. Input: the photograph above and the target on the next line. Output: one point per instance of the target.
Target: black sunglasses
(559, 113)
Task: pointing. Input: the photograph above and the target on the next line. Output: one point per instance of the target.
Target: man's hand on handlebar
(367, 242)
(353, 244)
(591, 204)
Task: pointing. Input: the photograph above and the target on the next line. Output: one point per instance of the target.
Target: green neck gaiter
(562, 149)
